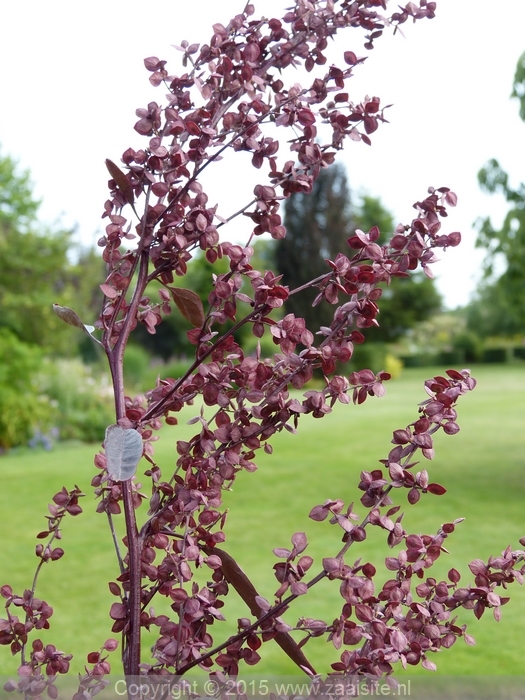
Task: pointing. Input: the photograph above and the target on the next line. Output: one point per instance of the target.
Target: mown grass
(482, 468)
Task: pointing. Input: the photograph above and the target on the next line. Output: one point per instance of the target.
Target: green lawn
(483, 468)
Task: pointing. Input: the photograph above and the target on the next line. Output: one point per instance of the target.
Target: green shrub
(83, 400)
(451, 357)
(423, 360)
(136, 365)
(495, 355)
(23, 409)
(393, 365)
(470, 345)
(369, 356)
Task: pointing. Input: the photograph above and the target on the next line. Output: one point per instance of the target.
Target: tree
(23, 408)
(318, 226)
(237, 102)
(33, 270)
(17, 204)
(500, 305)
(34, 267)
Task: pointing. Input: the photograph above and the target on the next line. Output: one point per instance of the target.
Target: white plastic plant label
(123, 452)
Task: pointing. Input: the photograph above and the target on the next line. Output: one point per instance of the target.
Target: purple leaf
(122, 181)
(299, 542)
(189, 304)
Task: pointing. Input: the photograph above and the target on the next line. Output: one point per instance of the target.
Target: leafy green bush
(136, 365)
(393, 365)
(369, 356)
(496, 355)
(423, 360)
(452, 357)
(22, 408)
(82, 399)
(470, 344)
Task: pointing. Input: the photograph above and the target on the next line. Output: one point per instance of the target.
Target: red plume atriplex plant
(231, 97)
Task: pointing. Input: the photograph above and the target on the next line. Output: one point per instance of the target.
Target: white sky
(72, 75)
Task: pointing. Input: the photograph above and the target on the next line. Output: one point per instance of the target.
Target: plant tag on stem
(123, 452)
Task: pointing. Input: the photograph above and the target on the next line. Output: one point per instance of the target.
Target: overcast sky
(72, 75)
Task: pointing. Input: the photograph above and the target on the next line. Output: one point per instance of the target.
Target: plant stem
(131, 650)
(131, 634)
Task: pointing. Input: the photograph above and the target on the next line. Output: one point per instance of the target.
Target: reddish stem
(131, 646)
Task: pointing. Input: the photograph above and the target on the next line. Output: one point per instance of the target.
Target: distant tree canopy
(34, 268)
(318, 226)
(32, 275)
(499, 308)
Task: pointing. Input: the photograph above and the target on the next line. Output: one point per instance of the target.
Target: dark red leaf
(451, 428)
(436, 489)
(109, 291)
(319, 513)
(189, 304)
(114, 588)
(332, 565)
(454, 575)
(118, 611)
(121, 180)
(57, 553)
(299, 542)
(454, 374)
(477, 567)
(251, 52)
(370, 124)
(364, 613)
(193, 128)
(160, 189)
(299, 588)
